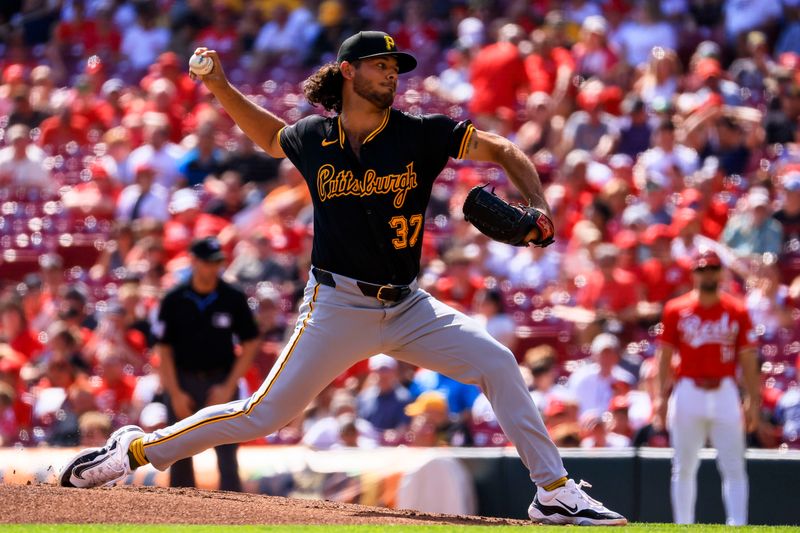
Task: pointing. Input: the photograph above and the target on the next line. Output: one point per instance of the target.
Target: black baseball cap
(367, 44)
(207, 249)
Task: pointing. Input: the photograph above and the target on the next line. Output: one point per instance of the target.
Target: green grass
(173, 528)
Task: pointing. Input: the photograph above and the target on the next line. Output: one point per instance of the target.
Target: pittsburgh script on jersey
(697, 332)
(331, 184)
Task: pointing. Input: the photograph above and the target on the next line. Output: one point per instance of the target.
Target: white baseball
(200, 65)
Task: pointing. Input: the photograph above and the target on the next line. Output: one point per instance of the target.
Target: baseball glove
(504, 222)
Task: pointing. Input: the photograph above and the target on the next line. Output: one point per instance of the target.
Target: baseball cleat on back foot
(100, 467)
(571, 505)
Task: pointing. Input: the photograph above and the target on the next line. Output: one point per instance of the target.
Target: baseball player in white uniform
(370, 171)
(708, 333)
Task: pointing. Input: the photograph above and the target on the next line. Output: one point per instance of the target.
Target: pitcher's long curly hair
(324, 87)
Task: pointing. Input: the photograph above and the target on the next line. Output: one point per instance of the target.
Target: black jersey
(201, 328)
(369, 211)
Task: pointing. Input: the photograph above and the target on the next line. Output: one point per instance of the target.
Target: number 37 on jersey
(408, 230)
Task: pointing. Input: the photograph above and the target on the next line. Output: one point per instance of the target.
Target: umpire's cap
(207, 249)
(367, 44)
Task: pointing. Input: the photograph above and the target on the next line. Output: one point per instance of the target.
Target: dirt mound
(152, 505)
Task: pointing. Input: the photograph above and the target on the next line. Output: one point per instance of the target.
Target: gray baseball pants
(338, 327)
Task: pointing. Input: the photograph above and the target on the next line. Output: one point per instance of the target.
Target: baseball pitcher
(370, 170)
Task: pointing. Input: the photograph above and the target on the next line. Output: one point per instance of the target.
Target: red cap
(555, 407)
(707, 68)
(705, 257)
(655, 232)
(14, 73)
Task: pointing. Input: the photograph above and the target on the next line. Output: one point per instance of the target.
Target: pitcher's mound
(154, 505)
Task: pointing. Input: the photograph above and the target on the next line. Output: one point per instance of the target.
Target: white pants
(338, 327)
(694, 415)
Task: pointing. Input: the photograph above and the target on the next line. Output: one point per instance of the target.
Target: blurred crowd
(656, 127)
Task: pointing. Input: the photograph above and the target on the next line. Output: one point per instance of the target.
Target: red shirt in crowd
(57, 134)
(175, 115)
(458, 293)
(115, 397)
(88, 107)
(574, 205)
(713, 213)
(109, 40)
(223, 40)
(616, 294)
(593, 62)
(18, 417)
(136, 340)
(411, 37)
(82, 32)
(93, 37)
(178, 235)
(708, 339)
(662, 282)
(27, 344)
(498, 74)
(358, 370)
(185, 88)
(542, 70)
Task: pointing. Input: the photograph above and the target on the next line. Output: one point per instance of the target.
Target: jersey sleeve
(289, 138)
(445, 136)
(292, 138)
(669, 331)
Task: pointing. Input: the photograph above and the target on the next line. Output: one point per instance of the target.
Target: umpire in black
(200, 322)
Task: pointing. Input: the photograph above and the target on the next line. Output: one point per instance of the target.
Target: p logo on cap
(371, 44)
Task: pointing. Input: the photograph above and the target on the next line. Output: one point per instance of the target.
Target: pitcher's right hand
(216, 77)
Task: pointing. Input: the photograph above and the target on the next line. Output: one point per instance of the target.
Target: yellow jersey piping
(280, 131)
(465, 141)
(341, 131)
(369, 137)
(379, 129)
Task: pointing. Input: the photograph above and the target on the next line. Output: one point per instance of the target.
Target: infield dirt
(154, 505)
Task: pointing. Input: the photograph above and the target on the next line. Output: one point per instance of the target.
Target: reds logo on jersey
(697, 332)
